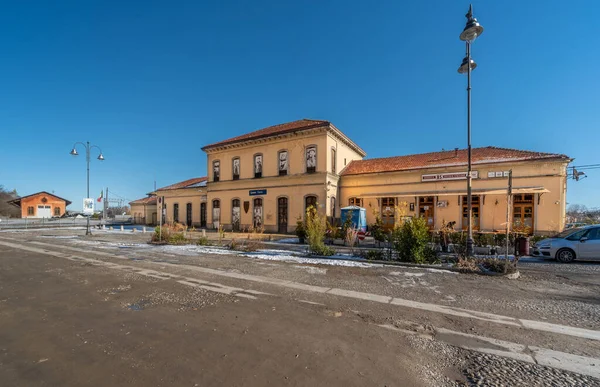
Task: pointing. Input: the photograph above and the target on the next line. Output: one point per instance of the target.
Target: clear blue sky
(152, 82)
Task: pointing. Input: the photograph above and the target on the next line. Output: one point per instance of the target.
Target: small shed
(358, 216)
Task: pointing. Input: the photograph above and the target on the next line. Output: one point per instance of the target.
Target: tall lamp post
(471, 31)
(88, 148)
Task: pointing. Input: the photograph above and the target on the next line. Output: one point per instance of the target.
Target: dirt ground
(111, 310)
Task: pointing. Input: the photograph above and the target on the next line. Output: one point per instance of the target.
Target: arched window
(216, 170)
(176, 212)
(283, 162)
(236, 214)
(258, 213)
(216, 213)
(311, 159)
(333, 161)
(355, 202)
(235, 167)
(258, 165)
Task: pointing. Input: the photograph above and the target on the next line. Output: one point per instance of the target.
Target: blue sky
(136, 77)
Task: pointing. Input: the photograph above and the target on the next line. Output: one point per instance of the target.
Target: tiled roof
(17, 201)
(273, 130)
(486, 155)
(189, 183)
(146, 200)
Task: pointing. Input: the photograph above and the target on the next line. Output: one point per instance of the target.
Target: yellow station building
(267, 178)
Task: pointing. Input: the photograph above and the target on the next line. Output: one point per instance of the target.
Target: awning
(487, 191)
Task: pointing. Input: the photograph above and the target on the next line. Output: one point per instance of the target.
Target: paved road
(106, 310)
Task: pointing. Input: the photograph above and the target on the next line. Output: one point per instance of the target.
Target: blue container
(358, 214)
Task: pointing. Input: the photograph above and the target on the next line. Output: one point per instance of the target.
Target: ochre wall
(407, 186)
(36, 200)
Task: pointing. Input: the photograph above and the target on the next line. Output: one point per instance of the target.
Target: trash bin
(522, 246)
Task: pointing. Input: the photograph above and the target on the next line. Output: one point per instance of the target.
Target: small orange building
(41, 205)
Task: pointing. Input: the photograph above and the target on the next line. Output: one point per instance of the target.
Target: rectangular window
(56, 211)
(283, 163)
(355, 202)
(30, 210)
(216, 170)
(176, 213)
(474, 212)
(258, 166)
(311, 159)
(236, 168)
(333, 163)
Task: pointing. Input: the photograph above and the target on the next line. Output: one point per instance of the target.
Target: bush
(377, 229)
(374, 255)
(459, 242)
(300, 229)
(203, 241)
(178, 238)
(322, 250)
(247, 245)
(410, 240)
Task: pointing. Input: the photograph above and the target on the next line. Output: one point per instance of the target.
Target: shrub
(202, 241)
(178, 238)
(300, 229)
(377, 255)
(323, 250)
(410, 240)
(459, 242)
(377, 229)
(315, 232)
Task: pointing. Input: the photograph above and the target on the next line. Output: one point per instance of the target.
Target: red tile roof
(17, 201)
(184, 184)
(486, 155)
(273, 130)
(147, 200)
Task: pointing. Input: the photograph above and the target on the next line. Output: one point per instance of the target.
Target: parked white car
(579, 242)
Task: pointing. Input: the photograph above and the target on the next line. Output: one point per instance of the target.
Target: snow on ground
(277, 255)
(288, 240)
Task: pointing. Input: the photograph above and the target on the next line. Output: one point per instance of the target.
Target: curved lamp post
(88, 148)
(471, 31)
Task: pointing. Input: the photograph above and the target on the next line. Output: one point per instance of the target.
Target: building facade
(433, 186)
(144, 211)
(41, 205)
(267, 178)
(184, 202)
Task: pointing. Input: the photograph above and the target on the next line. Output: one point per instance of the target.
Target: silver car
(580, 242)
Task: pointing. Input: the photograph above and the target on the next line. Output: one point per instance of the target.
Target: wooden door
(427, 210)
(282, 215)
(236, 214)
(388, 213)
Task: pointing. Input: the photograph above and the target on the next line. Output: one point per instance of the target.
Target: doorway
(474, 212)
(258, 213)
(523, 213)
(388, 213)
(188, 214)
(427, 210)
(216, 213)
(235, 214)
(202, 214)
(282, 215)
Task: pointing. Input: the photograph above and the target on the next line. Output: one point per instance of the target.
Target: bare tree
(7, 209)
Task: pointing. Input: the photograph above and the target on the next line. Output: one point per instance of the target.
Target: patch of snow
(407, 274)
(288, 240)
(270, 255)
(441, 271)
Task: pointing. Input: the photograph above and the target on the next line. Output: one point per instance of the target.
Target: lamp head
(74, 152)
(101, 158)
(472, 29)
(464, 66)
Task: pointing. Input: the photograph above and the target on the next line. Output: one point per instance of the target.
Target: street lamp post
(88, 148)
(471, 31)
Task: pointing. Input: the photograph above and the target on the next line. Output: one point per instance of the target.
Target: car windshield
(566, 233)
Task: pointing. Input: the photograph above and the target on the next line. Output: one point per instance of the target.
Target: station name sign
(255, 192)
(449, 176)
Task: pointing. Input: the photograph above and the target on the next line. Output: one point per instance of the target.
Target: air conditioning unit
(442, 203)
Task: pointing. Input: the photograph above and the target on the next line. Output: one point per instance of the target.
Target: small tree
(315, 232)
(410, 240)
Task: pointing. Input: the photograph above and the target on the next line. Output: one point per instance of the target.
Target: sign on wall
(88, 206)
(255, 192)
(449, 176)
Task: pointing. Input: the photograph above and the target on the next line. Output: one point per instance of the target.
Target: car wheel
(565, 255)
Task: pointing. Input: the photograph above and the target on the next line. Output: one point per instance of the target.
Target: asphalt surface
(111, 310)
